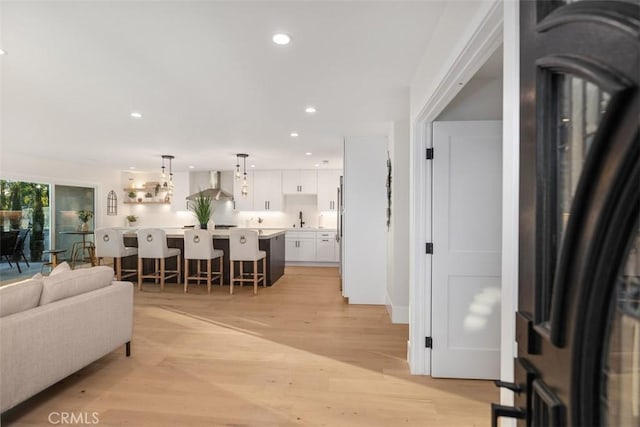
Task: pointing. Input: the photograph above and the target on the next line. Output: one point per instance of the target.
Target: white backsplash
(163, 216)
(293, 205)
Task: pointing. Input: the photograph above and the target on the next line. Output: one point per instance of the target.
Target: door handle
(498, 411)
(510, 386)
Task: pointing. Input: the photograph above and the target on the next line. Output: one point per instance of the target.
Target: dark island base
(274, 247)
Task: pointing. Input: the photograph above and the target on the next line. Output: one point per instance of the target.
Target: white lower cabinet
(326, 250)
(300, 246)
(311, 246)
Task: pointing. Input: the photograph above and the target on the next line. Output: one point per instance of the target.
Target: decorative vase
(85, 226)
(203, 226)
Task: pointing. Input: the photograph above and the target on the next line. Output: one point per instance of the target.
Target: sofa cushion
(60, 268)
(74, 282)
(20, 296)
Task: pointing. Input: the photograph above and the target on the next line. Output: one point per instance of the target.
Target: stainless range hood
(215, 184)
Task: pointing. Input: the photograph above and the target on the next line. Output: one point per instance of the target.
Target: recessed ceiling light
(317, 165)
(294, 134)
(308, 153)
(2, 52)
(310, 110)
(253, 166)
(281, 39)
(132, 167)
(191, 167)
(136, 115)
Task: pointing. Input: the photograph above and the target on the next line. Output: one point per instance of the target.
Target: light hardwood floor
(295, 354)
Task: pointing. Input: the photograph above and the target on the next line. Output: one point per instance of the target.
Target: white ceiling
(206, 77)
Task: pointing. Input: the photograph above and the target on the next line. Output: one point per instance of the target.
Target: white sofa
(50, 327)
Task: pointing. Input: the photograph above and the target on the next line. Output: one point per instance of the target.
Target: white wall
(457, 25)
(398, 233)
(364, 274)
(479, 99)
(33, 168)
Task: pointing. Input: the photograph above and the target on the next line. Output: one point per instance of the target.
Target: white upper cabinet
(267, 190)
(300, 182)
(328, 183)
(243, 203)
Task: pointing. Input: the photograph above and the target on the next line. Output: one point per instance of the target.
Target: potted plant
(131, 219)
(202, 209)
(157, 191)
(132, 196)
(85, 216)
(148, 196)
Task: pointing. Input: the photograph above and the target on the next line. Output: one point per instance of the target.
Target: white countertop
(311, 229)
(222, 234)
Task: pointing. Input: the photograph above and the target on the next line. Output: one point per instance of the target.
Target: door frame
(485, 39)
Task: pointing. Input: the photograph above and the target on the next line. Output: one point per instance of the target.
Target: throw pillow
(75, 282)
(20, 296)
(60, 268)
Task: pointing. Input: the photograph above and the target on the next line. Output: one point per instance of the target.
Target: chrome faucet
(301, 221)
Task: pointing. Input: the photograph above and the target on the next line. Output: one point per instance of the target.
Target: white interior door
(467, 184)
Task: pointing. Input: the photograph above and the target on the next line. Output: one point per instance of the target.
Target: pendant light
(167, 185)
(163, 176)
(237, 167)
(244, 189)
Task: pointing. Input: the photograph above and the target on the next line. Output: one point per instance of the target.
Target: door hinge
(429, 248)
(428, 342)
(429, 153)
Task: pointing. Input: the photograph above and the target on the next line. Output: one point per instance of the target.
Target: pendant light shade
(167, 185)
(244, 190)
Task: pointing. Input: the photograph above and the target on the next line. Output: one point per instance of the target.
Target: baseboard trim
(397, 314)
(309, 264)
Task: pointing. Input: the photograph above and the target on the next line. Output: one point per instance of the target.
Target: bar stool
(152, 243)
(243, 246)
(53, 258)
(110, 243)
(198, 246)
